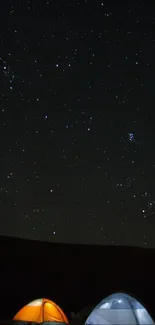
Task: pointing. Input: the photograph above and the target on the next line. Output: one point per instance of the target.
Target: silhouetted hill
(72, 275)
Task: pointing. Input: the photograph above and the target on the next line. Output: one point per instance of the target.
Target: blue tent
(117, 309)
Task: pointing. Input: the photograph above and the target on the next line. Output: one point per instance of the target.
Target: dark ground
(74, 276)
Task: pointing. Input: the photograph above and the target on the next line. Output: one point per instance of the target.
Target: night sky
(77, 131)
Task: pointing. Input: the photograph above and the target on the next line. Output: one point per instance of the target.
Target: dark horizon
(34, 242)
(74, 276)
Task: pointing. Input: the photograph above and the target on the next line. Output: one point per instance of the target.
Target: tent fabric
(53, 323)
(117, 309)
(34, 323)
(41, 310)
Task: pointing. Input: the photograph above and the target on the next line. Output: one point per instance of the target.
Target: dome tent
(119, 308)
(41, 311)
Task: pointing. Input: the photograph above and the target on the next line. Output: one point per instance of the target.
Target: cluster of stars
(7, 73)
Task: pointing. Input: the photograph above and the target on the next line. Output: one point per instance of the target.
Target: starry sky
(77, 158)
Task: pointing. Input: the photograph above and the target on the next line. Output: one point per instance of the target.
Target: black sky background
(77, 121)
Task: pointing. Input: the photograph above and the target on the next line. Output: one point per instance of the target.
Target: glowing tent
(119, 308)
(41, 311)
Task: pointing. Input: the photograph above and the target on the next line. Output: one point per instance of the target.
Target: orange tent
(41, 310)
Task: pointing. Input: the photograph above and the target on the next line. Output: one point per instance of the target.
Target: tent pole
(43, 310)
(136, 318)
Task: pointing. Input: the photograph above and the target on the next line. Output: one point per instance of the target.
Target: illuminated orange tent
(41, 310)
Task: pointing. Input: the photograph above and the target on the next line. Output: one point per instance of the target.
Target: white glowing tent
(117, 309)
